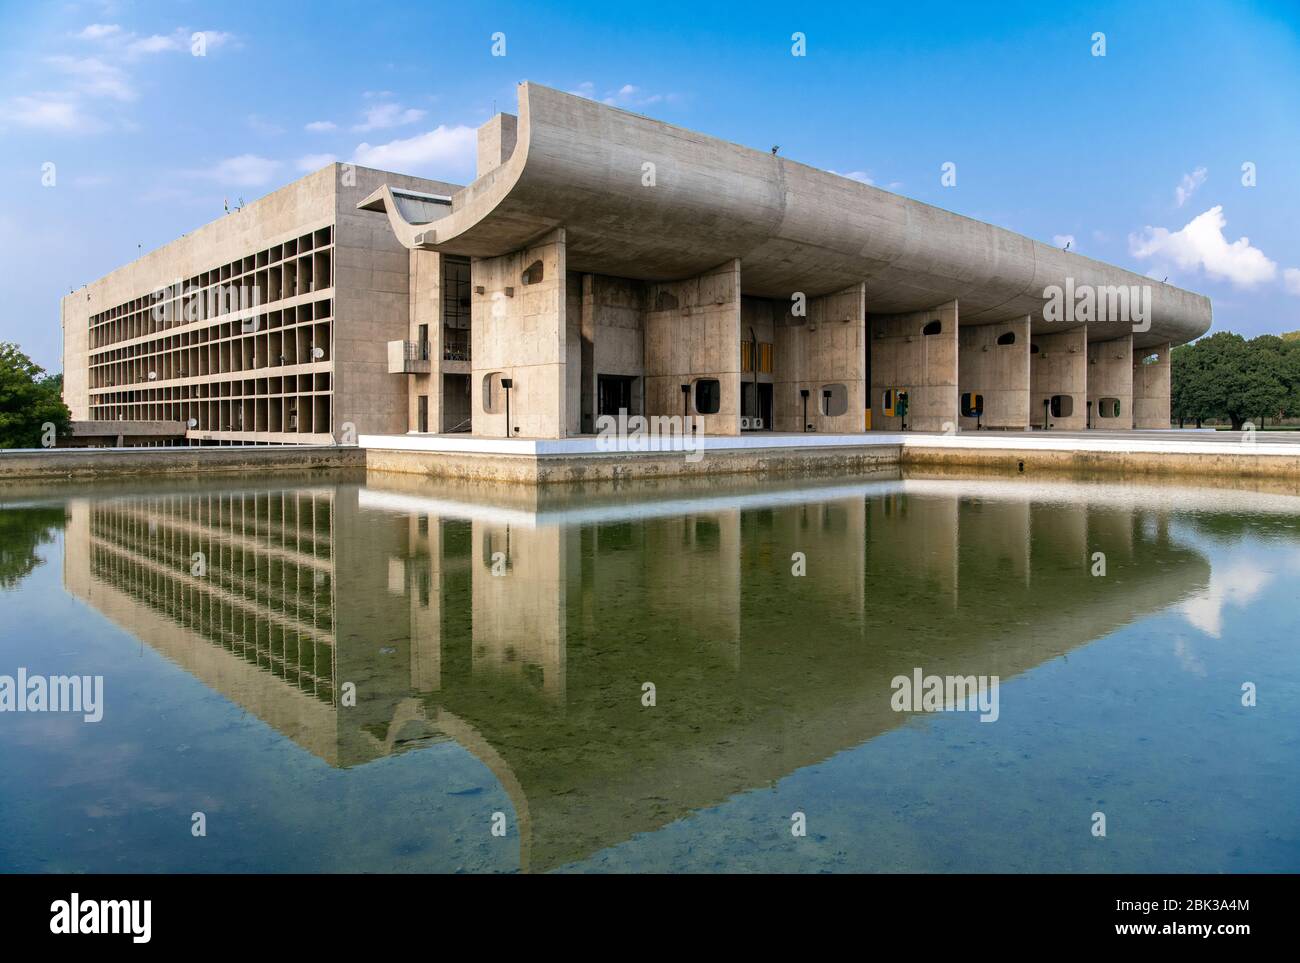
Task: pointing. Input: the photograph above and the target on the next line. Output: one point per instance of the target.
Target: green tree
(22, 532)
(28, 400)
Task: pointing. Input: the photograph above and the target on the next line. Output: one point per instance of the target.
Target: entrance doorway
(613, 393)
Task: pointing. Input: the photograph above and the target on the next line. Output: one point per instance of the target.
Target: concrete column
(1058, 365)
(1151, 387)
(923, 365)
(426, 309)
(993, 361)
(825, 350)
(1110, 376)
(574, 345)
(519, 332)
(520, 590)
(692, 333)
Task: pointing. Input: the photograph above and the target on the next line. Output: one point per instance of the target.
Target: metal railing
(455, 346)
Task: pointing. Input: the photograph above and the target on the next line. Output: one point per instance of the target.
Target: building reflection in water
(524, 624)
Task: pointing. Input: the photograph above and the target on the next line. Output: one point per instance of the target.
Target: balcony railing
(455, 345)
(408, 357)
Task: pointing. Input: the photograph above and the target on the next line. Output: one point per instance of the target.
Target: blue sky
(147, 140)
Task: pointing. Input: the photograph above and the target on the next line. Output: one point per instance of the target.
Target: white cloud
(1237, 585)
(1291, 278)
(1184, 191)
(314, 162)
(68, 106)
(132, 46)
(384, 116)
(1201, 244)
(100, 31)
(628, 95)
(94, 78)
(321, 126)
(1063, 240)
(246, 170)
(51, 112)
(445, 150)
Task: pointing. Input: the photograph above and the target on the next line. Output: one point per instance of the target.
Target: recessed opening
(492, 393)
(1108, 408)
(835, 400)
(1062, 406)
(708, 396)
(934, 327)
(1008, 338)
(972, 404)
(534, 272)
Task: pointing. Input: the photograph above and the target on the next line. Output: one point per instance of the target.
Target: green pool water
(349, 674)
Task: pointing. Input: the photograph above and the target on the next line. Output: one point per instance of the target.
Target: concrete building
(603, 261)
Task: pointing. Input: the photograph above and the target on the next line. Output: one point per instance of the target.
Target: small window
(708, 396)
(1152, 358)
(1033, 348)
(534, 273)
(1062, 406)
(1108, 408)
(1008, 338)
(835, 400)
(972, 405)
(934, 327)
(887, 401)
(492, 391)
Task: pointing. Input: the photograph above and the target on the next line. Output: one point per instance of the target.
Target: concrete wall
(827, 347)
(373, 305)
(999, 372)
(1110, 375)
(613, 338)
(692, 331)
(520, 331)
(923, 365)
(1151, 388)
(425, 308)
(1060, 367)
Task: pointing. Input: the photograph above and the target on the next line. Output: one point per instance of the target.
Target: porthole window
(1033, 348)
(708, 396)
(1062, 406)
(972, 404)
(534, 273)
(1108, 408)
(934, 327)
(1008, 338)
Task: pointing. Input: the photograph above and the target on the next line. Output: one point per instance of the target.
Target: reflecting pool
(342, 673)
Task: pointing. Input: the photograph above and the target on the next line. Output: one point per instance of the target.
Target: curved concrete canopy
(580, 164)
